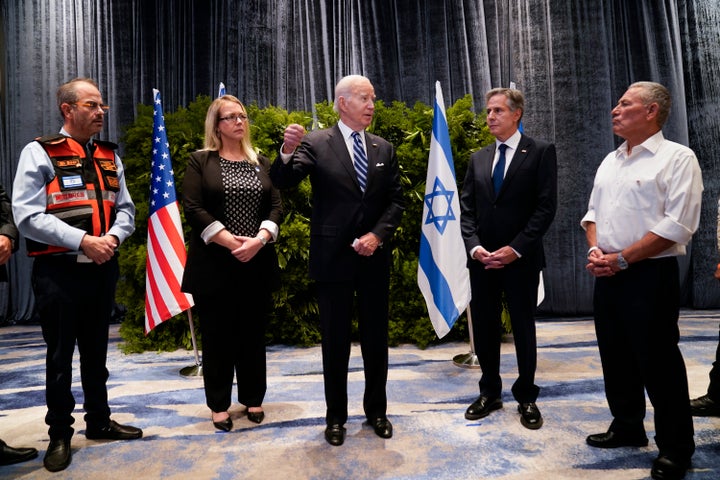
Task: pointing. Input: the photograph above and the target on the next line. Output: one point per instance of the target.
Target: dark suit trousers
(335, 301)
(75, 301)
(232, 325)
(519, 285)
(636, 321)
(714, 387)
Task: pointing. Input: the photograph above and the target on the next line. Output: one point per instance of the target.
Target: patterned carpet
(427, 397)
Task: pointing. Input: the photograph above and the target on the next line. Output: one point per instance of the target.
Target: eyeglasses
(93, 105)
(234, 118)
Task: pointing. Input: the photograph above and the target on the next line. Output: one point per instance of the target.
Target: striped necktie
(360, 161)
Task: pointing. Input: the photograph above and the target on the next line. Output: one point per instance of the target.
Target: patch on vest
(72, 181)
(67, 197)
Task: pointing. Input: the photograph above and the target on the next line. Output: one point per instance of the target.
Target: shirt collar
(347, 131)
(65, 132)
(651, 144)
(512, 142)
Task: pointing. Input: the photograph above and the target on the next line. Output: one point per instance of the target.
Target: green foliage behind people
(295, 316)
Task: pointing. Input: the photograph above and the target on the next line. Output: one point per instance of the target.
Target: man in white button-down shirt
(643, 211)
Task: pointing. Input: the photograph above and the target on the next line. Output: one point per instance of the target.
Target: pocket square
(380, 164)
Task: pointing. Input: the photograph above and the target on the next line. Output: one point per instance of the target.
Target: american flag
(166, 252)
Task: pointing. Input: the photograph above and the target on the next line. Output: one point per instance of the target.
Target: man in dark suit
(354, 215)
(508, 202)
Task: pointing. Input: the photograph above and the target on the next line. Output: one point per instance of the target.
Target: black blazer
(340, 210)
(524, 208)
(7, 227)
(211, 267)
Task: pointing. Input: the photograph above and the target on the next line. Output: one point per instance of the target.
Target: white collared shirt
(512, 144)
(350, 141)
(657, 188)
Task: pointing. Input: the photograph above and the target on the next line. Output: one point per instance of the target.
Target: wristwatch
(622, 263)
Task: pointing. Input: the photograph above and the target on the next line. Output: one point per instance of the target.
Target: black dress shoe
(113, 431)
(666, 469)
(704, 407)
(612, 439)
(10, 455)
(482, 407)
(382, 426)
(58, 455)
(335, 434)
(530, 416)
(256, 417)
(223, 425)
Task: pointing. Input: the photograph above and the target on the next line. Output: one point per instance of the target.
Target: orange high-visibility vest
(83, 192)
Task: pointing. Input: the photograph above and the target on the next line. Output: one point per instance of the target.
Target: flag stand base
(192, 371)
(466, 360)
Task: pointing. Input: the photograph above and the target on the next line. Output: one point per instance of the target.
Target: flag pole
(193, 370)
(468, 360)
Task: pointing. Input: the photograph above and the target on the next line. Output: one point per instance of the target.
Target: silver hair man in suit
(357, 204)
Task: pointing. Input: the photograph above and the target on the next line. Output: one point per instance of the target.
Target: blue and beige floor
(427, 397)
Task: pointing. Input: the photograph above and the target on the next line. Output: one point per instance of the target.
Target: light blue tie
(360, 161)
(499, 170)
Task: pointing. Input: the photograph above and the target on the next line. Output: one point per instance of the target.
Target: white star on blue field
(439, 204)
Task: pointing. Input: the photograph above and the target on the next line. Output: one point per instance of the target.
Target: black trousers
(519, 284)
(714, 387)
(232, 325)
(74, 302)
(636, 321)
(370, 291)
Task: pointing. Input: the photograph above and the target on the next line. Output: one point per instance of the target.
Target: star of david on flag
(443, 276)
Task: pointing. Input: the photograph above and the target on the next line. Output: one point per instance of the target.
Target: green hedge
(295, 316)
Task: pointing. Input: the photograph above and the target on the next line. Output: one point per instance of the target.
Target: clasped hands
(497, 259)
(367, 244)
(601, 264)
(245, 248)
(99, 249)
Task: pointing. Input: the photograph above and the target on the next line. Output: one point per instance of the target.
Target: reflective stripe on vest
(79, 196)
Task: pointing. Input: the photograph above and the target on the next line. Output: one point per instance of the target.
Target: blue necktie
(360, 161)
(499, 170)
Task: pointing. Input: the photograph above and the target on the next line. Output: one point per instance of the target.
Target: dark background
(572, 58)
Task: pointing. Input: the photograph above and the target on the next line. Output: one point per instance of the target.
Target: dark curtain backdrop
(572, 58)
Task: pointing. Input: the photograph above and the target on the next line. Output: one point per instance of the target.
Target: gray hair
(652, 92)
(514, 98)
(345, 86)
(67, 93)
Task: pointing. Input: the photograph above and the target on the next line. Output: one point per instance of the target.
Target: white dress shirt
(657, 188)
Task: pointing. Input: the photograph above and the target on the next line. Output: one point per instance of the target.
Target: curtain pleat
(571, 58)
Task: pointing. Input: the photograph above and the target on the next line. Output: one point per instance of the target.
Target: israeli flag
(443, 276)
(221, 90)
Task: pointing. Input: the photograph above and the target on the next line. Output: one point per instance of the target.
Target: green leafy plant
(295, 315)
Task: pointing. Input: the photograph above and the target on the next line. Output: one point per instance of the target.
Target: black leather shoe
(256, 417)
(58, 455)
(382, 426)
(704, 407)
(113, 431)
(224, 425)
(666, 469)
(482, 407)
(530, 416)
(10, 455)
(335, 434)
(612, 439)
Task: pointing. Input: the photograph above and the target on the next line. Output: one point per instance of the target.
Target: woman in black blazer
(232, 269)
